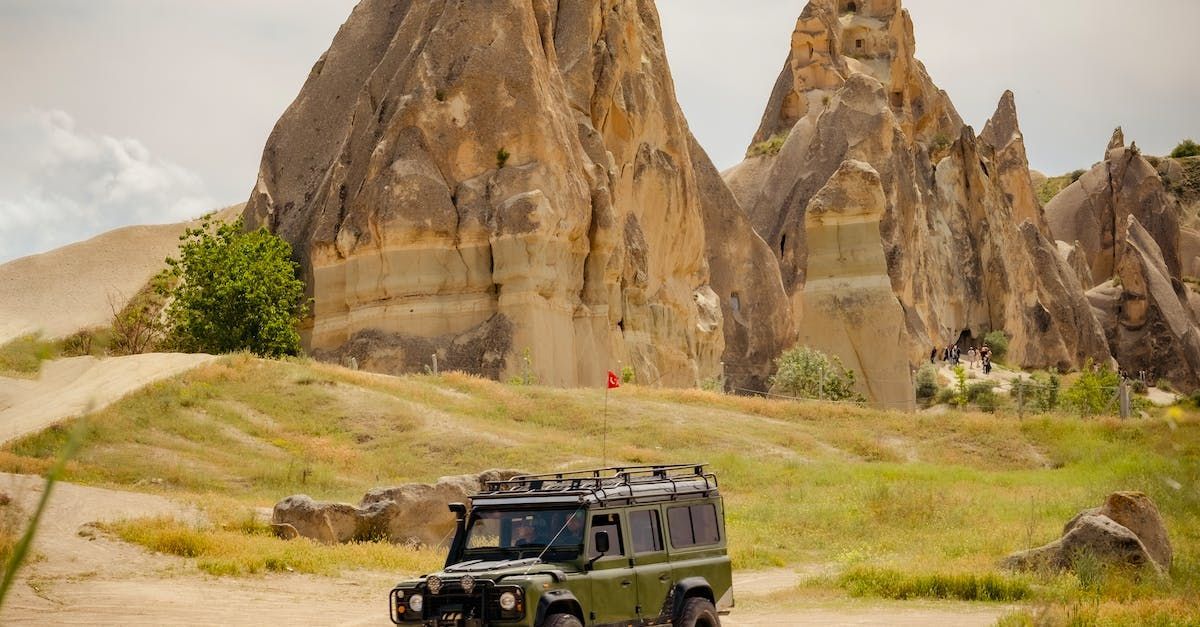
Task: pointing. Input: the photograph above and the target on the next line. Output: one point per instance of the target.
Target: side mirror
(459, 510)
(602, 545)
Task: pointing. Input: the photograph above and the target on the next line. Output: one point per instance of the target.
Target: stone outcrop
(958, 259)
(848, 299)
(1148, 318)
(1126, 531)
(414, 513)
(1093, 211)
(511, 175)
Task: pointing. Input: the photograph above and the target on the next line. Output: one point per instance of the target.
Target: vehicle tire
(699, 612)
(561, 620)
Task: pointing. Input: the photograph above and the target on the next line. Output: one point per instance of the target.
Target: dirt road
(71, 387)
(82, 577)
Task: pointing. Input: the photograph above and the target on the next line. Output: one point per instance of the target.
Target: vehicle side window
(693, 525)
(646, 530)
(612, 524)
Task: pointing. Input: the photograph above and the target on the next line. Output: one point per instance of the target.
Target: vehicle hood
(495, 569)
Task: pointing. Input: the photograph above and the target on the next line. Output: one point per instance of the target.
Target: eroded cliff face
(1134, 254)
(1094, 210)
(509, 185)
(959, 261)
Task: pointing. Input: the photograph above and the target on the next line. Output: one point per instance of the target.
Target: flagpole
(604, 436)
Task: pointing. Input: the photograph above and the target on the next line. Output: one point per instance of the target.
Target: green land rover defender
(638, 545)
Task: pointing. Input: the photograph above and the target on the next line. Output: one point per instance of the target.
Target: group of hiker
(953, 355)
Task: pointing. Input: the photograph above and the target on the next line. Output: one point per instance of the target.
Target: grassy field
(894, 505)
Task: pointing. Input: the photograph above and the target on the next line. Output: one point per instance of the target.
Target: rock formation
(1094, 209)
(958, 259)
(1128, 228)
(1126, 531)
(411, 513)
(491, 180)
(1147, 314)
(848, 299)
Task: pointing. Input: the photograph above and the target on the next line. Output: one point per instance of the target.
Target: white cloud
(59, 184)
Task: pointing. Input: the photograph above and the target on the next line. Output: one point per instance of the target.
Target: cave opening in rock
(852, 8)
(782, 243)
(735, 302)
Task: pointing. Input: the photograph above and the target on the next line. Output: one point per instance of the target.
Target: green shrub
(945, 396)
(977, 389)
(805, 372)
(1186, 148)
(233, 291)
(140, 327)
(502, 156)
(1076, 175)
(926, 382)
(25, 354)
(628, 375)
(1093, 392)
(768, 147)
(998, 341)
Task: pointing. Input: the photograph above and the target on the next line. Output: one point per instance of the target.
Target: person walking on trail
(956, 354)
(972, 355)
(933, 355)
(987, 359)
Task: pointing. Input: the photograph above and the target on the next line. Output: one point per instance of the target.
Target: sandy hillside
(74, 287)
(71, 387)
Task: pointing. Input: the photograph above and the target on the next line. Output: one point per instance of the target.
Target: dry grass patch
(249, 549)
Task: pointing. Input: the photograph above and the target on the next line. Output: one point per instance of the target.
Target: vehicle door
(614, 593)
(651, 563)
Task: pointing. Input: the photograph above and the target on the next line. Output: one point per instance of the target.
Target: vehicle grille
(453, 604)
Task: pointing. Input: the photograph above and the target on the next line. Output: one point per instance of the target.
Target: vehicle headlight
(434, 583)
(467, 583)
(508, 601)
(416, 603)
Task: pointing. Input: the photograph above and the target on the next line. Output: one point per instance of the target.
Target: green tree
(1186, 148)
(1093, 392)
(998, 341)
(960, 386)
(926, 382)
(233, 291)
(808, 373)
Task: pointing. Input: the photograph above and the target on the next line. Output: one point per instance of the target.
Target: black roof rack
(612, 483)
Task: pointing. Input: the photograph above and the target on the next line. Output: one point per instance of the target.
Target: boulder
(414, 513)
(330, 523)
(1137, 513)
(1126, 531)
(485, 180)
(1092, 537)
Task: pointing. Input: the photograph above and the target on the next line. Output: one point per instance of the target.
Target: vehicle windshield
(511, 534)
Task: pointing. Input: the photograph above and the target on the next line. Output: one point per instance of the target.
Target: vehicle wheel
(562, 620)
(699, 612)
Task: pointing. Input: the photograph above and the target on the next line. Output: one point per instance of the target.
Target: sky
(117, 112)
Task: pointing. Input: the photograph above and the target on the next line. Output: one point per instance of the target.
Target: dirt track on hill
(82, 577)
(71, 387)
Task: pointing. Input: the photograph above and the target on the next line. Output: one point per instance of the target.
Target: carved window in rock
(735, 302)
(852, 8)
(858, 43)
(897, 100)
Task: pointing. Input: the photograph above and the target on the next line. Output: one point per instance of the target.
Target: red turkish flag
(613, 381)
